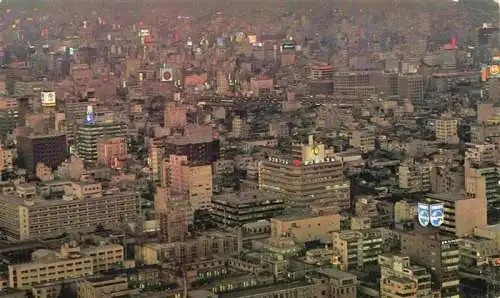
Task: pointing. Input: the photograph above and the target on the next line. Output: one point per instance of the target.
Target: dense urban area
(249, 148)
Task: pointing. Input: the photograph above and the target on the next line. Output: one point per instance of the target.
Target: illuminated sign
(166, 74)
(89, 116)
(288, 46)
(494, 71)
(433, 214)
(48, 99)
(423, 214)
(436, 215)
(220, 41)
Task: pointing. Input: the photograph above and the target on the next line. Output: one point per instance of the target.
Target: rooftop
(447, 196)
(261, 290)
(333, 273)
(246, 197)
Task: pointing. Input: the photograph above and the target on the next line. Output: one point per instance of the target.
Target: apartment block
(357, 248)
(447, 131)
(70, 262)
(401, 279)
(25, 215)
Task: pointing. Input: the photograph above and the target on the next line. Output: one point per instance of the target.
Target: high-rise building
(357, 249)
(50, 150)
(307, 178)
(175, 115)
(411, 86)
(172, 211)
(461, 213)
(359, 83)
(197, 143)
(90, 132)
(75, 110)
(9, 114)
(441, 254)
(481, 182)
(194, 181)
(447, 130)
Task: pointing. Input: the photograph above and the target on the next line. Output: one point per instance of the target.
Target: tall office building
(197, 143)
(75, 110)
(359, 83)
(481, 182)
(50, 150)
(321, 79)
(9, 114)
(172, 211)
(411, 86)
(90, 132)
(307, 178)
(460, 213)
(175, 115)
(195, 181)
(441, 254)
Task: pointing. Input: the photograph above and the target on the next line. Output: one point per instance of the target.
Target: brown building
(307, 178)
(50, 150)
(462, 213)
(441, 254)
(173, 212)
(198, 144)
(306, 228)
(111, 151)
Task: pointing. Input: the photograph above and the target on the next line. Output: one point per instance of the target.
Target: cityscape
(249, 148)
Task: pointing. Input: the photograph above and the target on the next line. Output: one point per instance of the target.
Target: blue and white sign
(423, 214)
(436, 215)
(89, 116)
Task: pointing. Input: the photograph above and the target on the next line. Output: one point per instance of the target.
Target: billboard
(166, 74)
(288, 46)
(423, 214)
(436, 215)
(494, 71)
(48, 99)
(430, 214)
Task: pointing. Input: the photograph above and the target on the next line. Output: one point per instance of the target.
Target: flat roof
(337, 274)
(39, 201)
(262, 290)
(447, 196)
(491, 228)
